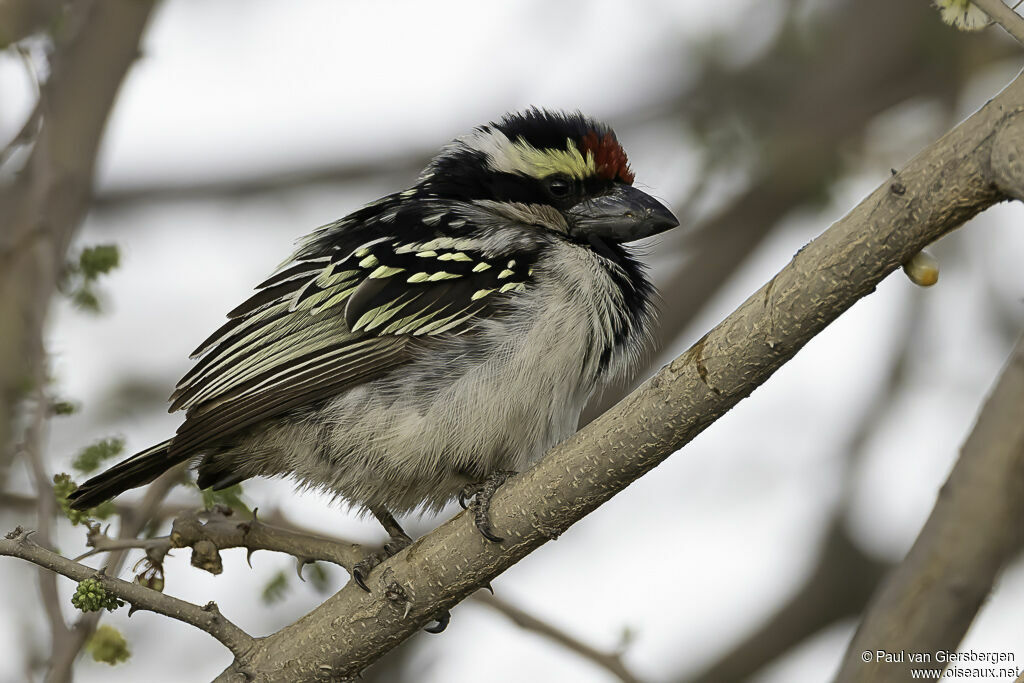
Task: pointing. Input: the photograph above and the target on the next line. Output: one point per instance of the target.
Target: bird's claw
(442, 619)
(481, 494)
(361, 570)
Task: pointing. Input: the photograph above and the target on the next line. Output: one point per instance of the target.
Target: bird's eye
(558, 186)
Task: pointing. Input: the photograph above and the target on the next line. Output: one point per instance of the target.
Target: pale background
(689, 558)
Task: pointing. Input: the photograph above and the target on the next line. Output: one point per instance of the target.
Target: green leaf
(98, 260)
(275, 589)
(64, 407)
(108, 645)
(63, 486)
(319, 576)
(85, 299)
(82, 273)
(91, 457)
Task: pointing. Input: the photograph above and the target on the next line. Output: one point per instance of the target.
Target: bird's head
(568, 170)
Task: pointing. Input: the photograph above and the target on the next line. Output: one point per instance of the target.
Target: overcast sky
(688, 557)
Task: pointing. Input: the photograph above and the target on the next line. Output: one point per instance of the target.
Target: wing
(350, 306)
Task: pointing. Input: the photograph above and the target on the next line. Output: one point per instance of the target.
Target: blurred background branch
(49, 196)
(780, 122)
(974, 531)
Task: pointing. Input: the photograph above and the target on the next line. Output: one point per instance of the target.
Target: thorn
(488, 587)
(132, 609)
(408, 608)
(248, 556)
(299, 564)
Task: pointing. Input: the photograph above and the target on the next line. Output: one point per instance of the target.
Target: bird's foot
(361, 570)
(441, 620)
(478, 497)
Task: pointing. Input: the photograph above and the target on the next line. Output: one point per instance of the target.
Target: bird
(432, 343)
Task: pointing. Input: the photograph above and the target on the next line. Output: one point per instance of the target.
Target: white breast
(493, 401)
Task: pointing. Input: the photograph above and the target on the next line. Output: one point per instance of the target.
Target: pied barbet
(432, 342)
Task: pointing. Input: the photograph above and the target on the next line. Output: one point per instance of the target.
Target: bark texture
(951, 181)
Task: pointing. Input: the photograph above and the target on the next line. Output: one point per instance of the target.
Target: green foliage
(91, 596)
(230, 497)
(98, 260)
(63, 486)
(81, 275)
(91, 457)
(85, 298)
(319, 576)
(108, 645)
(63, 407)
(275, 589)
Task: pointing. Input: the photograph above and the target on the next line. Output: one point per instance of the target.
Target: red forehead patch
(609, 157)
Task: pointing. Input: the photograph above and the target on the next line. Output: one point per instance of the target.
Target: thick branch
(207, 618)
(930, 600)
(807, 129)
(948, 183)
(21, 18)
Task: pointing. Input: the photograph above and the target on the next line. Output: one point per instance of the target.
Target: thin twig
(1011, 22)
(45, 504)
(207, 618)
(610, 661)
(224, 530)
(132, 523)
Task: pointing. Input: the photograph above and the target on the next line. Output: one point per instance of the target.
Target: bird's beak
(622, 215)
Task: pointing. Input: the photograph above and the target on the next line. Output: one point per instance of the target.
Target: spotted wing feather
(338, 315)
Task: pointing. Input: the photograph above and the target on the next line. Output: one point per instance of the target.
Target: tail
(137, 470)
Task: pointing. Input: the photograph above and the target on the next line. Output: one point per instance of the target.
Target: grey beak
(622, 215)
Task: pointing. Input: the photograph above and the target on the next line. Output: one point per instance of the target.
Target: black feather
(137, 470)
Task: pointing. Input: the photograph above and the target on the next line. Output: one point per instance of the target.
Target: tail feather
(140, 469)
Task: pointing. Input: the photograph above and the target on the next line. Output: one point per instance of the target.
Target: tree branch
(844, 577)
(997, 10)
(610, 661)
(930, 600)
(222, 530)
(806, 130)
(21, 18)
(207, 618)
(948, 183)
(839, 586)
(42, 207)
(133, 521)
(46, 507)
